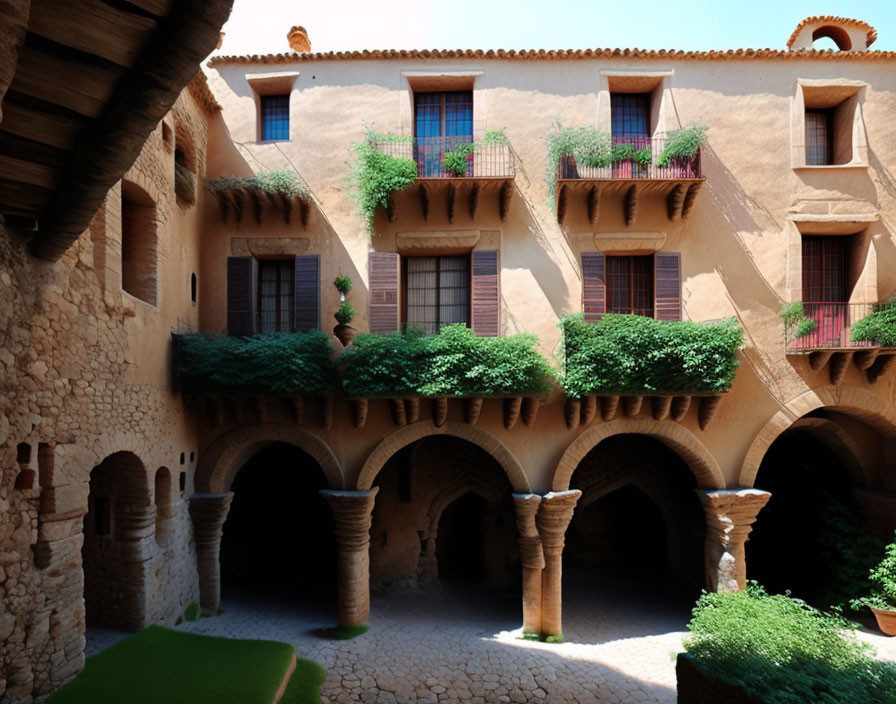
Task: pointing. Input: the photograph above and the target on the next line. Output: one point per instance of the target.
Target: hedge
(456, 362)
(878, 327)
(283, 362)
(784, 651)
(632, 354)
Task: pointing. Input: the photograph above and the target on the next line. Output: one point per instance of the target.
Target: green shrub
(878, 327)
(345, 313)
(589, 146)
(343, 284)
(494, 138)
(628, 152)
(682, 144)
(456, 161)
(456, 362)
(795, 320)
(883, 583)
(283, 362)
(375, 175)
(784, 651)
(632, 354)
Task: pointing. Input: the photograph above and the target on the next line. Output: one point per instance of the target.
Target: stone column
(552, 519)
(532, 558)
(134, 527)
(208, 512)
(352, 514)
(730, 514)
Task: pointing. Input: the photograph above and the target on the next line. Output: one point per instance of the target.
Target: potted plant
(345, 313)
(882, 599)
(455, 162)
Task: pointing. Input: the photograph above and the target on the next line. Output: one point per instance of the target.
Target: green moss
(162, 665)
(305, 683)
(192, 612)
(342, 633)
(632, 354)
(554, 639)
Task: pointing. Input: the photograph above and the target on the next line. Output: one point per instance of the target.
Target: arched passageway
(811, 537)
(444, 515)
(638, 526)
(118, 538)
(278, 539)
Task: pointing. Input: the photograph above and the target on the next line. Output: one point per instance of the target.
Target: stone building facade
(117, 489)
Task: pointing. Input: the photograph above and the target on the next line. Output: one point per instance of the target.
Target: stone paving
(459, 645)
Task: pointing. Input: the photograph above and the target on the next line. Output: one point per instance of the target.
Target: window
(138, 243)
(819, 137)
(193, 288)
(275, 117)
(441, 122)
(630, 124)
(630, 285)
(824, 269)
(275, 295)
(437, 291)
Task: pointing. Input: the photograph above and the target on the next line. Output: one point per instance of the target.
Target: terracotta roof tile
(871, 32)
(559, 54)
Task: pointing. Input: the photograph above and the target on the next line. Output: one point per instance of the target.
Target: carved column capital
(730, 514)
(352, 515)
(531, 553)
(553, 517)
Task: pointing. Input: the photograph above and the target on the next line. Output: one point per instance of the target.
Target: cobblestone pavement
(459, 645)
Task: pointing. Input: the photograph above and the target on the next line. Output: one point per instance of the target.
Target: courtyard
(459, 644)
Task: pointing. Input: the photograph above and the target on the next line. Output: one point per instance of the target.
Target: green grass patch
(341, 633)
(161, 665)
(304, 685)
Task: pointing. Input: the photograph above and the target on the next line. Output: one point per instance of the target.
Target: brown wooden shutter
(667, 289)
(306, 293)
(241, 288)
(383, 270)
(485, 293)
(594, 286)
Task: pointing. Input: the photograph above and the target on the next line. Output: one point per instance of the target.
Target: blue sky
(260, 26)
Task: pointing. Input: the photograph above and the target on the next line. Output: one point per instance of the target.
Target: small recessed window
(23, 453)
(193, 288)
(183, 458)
(819, 137)
(275, 117)
(192, 457)
(183, 482)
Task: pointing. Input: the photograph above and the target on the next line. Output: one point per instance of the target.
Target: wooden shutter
(485, 294)
(306, 293)
(594, 286)
(241, 287)
(667, 268)
(383, 270)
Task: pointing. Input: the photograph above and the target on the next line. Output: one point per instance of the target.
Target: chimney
(298, 40)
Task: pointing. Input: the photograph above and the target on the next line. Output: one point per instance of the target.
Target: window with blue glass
(442, 121)
(275, 117)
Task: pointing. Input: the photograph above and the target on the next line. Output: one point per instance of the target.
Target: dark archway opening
(278, 537)
(638, 530)
(809, 538)
(444, 517)
(460, 546)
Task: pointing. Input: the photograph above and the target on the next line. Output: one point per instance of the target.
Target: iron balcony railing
(635, 159)
(827, 326)
(479, 159)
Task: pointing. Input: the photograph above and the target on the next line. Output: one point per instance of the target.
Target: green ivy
(456, 362)
(375, 175)
(878, 327)
(783, 651)
(632, 354)
(795, 321)
(283, 362)
(882, 594)
(682, 144)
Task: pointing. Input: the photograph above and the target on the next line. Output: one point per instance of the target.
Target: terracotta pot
(886, 621)
(345, 334)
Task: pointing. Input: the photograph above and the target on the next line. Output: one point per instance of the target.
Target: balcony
(633, 168)
(458, 168)
(825, 333)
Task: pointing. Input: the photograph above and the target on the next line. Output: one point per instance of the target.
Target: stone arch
(681, 441)
(454, 491)
(839, 36)
(464, 431)
(223, 458)
(860, 403)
